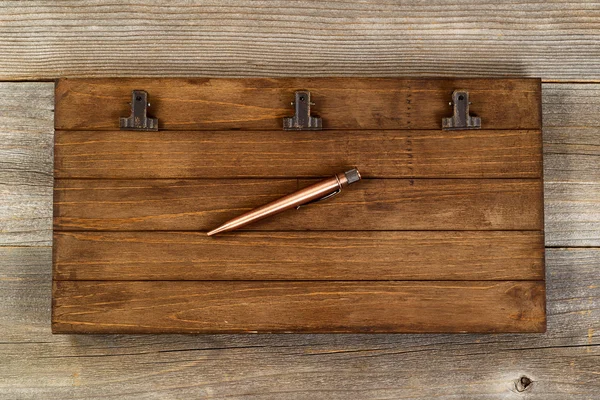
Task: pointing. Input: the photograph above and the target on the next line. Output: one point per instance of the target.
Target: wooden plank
(25, 215)
(259, 154)
(301, 306)
(261, 103)
(571, 105)
(26, 131)
(572, 155)
(555, 40)
(299, 256)
(374, 204)
(36, 364)
(572, 213)
(571, 164)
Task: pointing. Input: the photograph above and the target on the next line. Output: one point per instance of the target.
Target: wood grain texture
(254, 154)
(261, 103)
(26, 132)
(563, 362)
(299, 256)
(387, 112)
(301, 306)
(572, 154)
(375, 204)
(554, 40)
(571, 164)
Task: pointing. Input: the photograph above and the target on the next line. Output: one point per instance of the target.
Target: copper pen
(319, 191)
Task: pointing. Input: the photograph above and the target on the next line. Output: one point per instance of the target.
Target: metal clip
(302, 120)
(461, 118)
(330, 195)
(138, 120)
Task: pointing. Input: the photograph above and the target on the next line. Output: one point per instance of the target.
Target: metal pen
(319, 191)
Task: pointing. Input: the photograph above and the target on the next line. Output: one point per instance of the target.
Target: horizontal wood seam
(300, 280)
(297, 231)
(294, 177)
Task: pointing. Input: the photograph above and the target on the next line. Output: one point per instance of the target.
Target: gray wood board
(571, 163)
(26, 144)
(554, 40)
(562, 363)
(571, 119)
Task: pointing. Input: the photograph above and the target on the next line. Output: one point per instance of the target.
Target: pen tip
(217, 230)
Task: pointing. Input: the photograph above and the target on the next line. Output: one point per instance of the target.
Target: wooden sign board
(443, 234)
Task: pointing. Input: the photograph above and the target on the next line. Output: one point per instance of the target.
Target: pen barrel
(319, 190)
(293, 200)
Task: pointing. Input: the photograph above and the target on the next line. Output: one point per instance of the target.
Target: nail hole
(461, 97)
(139, 98)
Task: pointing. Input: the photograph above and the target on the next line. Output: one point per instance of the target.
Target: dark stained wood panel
(388, 255)
(443, 234)
(261, 103)
(302, 306)
(374, 204)
(256, 154)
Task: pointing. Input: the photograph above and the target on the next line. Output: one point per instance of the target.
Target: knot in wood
(523, 383)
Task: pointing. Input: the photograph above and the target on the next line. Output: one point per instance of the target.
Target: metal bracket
(461, 118)
(138, 120)
(302, 121)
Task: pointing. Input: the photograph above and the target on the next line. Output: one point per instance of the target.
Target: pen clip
(330, 195)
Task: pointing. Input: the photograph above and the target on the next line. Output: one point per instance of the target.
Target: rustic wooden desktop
(556, 41)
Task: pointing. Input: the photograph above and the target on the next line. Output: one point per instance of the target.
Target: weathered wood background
(558, 41)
